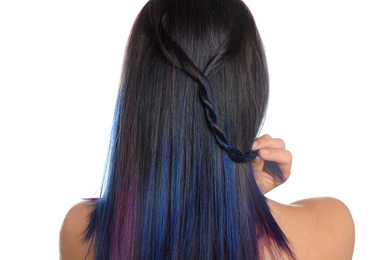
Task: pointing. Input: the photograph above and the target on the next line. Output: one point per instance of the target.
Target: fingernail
(264, 151)
(255, 144)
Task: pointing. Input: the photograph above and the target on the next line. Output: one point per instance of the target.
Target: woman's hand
(270, 149)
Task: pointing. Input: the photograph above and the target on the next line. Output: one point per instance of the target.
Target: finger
(266, 142)
(258, 164)
(276, 155)
(260, 139)
(256, 161)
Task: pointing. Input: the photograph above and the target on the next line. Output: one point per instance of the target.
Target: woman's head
(193, 93)
(211, 48)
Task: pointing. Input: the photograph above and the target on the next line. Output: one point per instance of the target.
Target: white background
(60, 63)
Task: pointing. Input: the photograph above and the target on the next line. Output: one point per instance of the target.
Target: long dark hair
(180, 184)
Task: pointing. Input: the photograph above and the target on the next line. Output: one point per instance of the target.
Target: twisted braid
(176, 55)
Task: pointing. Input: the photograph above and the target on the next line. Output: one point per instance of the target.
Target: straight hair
(179, 181)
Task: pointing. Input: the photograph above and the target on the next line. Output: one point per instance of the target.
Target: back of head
(180, 185)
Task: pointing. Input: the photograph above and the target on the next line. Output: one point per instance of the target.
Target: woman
(186, 177)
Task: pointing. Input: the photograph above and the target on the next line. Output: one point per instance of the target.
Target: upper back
(317, 228)
(72, 233)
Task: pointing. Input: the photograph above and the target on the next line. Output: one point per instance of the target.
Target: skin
(317, 228)
(76, 221)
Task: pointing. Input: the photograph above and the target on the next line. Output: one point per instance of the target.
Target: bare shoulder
(72, 245)
(318, 228)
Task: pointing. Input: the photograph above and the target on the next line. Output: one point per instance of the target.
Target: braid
(212, 120)
(176, 55)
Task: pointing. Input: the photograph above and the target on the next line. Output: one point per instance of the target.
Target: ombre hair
(179, 181)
